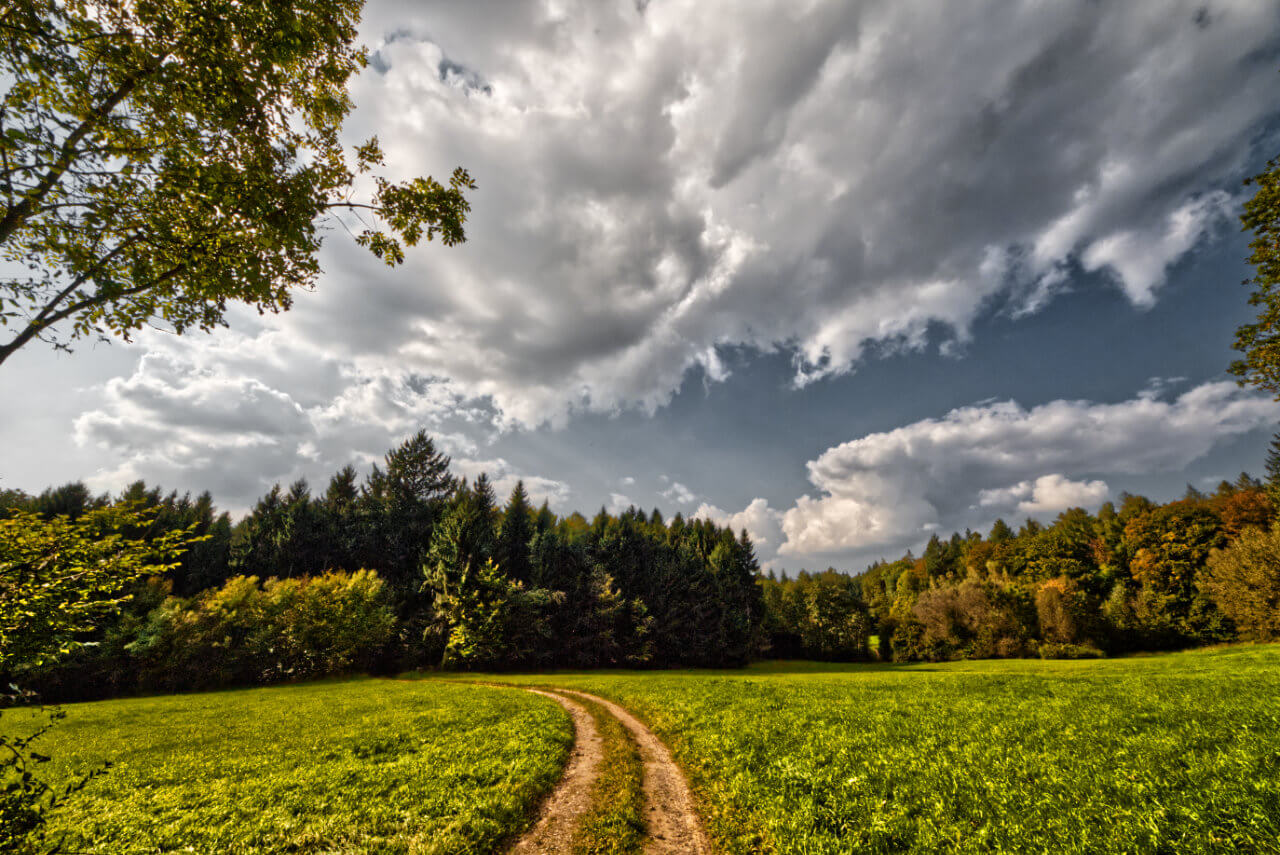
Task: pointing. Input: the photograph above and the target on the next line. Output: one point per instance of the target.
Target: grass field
(1159, 754)
(357, 766)
(1176, 753)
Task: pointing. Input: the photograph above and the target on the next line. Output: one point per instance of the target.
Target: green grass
(615, 823)
(340, 767)
(1160, 754)
(1155, 754)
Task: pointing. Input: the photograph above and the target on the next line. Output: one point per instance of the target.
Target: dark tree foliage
(470, 585)
(1260, 341)
(515, 530)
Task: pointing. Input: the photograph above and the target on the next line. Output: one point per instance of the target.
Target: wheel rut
(672, 823)
(558, 818)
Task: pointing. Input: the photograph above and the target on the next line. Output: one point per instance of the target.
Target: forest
(411, 568)
(416, 568)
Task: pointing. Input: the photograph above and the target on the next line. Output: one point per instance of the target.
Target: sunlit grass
(339, 767)
(1173, 753)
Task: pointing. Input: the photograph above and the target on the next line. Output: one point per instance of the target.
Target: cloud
(678, 493)
(1048, 493)
(658, 185)
(884, 490)
(198, 414)
(618, 503)
(827, 180)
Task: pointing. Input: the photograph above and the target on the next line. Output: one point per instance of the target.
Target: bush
(1056, 650)
(1065, 613)
(285, 629)
(1244, 582)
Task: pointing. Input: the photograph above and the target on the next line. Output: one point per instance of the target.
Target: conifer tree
(1273, 469)
(514, 532)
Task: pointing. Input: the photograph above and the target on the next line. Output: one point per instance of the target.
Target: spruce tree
(1273, 470)
(514, 532)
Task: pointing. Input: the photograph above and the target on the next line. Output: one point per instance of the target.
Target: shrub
(246, 632)
(975, 619)
(1066, 616)
(1055, 650)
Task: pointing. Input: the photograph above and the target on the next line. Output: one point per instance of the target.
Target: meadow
(1151, 754)
(358, 766)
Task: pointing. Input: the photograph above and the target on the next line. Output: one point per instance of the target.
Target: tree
(161, 160)
(1260, 340)
(514, 532)
(402, 505)
(58, 578)
(1244, 581)
(1273, 469)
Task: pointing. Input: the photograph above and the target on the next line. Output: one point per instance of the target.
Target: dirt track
(672, 824)
(558, 818)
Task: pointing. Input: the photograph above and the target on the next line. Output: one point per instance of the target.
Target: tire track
(558, 817)
(673, 824)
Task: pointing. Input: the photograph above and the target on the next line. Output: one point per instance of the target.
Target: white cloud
(886, 489)
(658, 185)
(678, 493)
(1048, 493)
(194, 415)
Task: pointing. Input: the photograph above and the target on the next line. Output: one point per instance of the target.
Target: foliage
(491, 620)
(1260, 341)
(1244, 581)
(1125, 579)
(355, 766)
(160, 160)
(59, 577)
(816, 616)
(973, 619)
(246, 632)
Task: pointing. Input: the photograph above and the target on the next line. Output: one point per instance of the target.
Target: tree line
(410, 567)
(1139, 575)
(414, 567)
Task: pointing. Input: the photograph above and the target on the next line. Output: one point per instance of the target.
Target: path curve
(673, 824)
(558, 817)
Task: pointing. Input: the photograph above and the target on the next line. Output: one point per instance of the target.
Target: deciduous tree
(161, 160)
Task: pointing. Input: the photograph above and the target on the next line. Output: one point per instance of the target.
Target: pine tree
(400, 507)
(514, 532)
(1273, 469)
(545, 520)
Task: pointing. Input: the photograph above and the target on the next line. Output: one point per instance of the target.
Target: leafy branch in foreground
(58, 579)
(161, 159)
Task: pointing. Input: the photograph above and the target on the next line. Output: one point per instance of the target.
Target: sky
(842, 274)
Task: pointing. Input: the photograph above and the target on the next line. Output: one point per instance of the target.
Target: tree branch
(17, 214)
